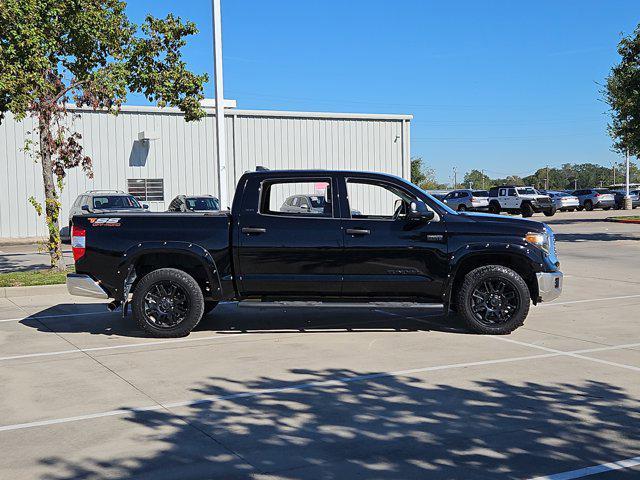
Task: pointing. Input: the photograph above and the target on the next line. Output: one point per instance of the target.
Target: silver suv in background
(313, 204)
(473, 200)
(563, 201)
(591, 198)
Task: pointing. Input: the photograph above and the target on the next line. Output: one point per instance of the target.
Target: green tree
(54, 52)
(477, 179)
(622, 94)
(424, 177)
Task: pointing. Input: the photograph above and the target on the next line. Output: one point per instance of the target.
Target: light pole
(627, 199)
(219, 90)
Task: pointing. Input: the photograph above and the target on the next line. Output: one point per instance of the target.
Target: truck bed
(114, 239)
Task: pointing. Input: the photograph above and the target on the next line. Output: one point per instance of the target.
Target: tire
(526, 209)
(462, 207)
(579, 208)
(588, 205)
(470, 298)
(550, 213)
(606, 208)
(494, 207)
(208, 306)
(571, 210)
(178, 292)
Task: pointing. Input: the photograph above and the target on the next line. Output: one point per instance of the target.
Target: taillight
(473, 199)
(78, 242)
(597, 195)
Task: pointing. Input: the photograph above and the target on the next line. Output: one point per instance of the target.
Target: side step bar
(315, 304)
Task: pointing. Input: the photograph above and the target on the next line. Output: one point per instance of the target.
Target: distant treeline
(566, 177)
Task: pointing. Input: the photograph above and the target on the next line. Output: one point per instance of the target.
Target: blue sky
(503, 85)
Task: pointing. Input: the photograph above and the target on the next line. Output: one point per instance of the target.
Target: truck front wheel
(526, 209)
(167, 303)
(493, 300)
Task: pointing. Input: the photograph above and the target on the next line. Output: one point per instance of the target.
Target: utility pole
(575, 183)
(546, 182)
(219, 88)
(482, 171)
(455, 178)
(627, 199)
(614, 174)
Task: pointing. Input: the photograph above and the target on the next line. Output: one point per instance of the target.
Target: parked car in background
(591, 198)
(523, 200)
(619, 198)
(563, 201)
(473, 200)
(194, 203)
(105, 201)
(101, 201)
(309, 203)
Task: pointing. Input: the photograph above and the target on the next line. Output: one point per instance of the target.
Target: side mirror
(419, 211)
(304, 207)
(85, 208)
(145, 206)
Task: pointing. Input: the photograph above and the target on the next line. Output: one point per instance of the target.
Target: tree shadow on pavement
(229, 318)
(342, 423)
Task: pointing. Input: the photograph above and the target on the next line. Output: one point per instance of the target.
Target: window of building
(146, 189)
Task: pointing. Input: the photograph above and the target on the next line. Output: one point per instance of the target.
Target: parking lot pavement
(27, 257)
(334, 392)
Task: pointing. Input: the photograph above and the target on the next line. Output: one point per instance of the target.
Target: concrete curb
(10, 292)
(622, 220)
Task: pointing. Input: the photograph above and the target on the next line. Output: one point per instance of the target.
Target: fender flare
(498, 249)
(126, 266)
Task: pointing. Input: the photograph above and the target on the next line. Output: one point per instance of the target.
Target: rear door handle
(254, 230)
(358, 231)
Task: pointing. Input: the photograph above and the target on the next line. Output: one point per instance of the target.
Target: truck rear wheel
(167, 303)
(493, 300)
(550, 212)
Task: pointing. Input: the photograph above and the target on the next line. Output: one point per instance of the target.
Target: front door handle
(253, 230)
(358, 231)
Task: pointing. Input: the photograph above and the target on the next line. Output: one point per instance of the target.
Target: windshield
(110, 202)
(317, 201)
(203, 203)
(480, 193)
(527, 191)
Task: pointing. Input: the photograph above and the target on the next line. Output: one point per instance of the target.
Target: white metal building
(152, 150)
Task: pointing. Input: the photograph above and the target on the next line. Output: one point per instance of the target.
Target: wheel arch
(191, 258)
(508, 256)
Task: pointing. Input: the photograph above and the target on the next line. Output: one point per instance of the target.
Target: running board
(313, 304)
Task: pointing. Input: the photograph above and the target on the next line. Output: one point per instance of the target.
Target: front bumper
(84, 286)
(549, 285)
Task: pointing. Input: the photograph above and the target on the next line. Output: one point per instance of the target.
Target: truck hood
(492, 221)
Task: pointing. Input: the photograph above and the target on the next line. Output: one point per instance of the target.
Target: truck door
(290, 253)
(387, 255)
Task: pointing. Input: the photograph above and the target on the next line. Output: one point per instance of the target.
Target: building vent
(146, 189)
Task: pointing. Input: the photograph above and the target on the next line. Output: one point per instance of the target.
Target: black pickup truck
(371, 238)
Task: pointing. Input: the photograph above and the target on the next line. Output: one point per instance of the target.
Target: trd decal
(105, 222)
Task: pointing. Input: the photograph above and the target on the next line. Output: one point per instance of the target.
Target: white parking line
(594, 470)
(115, 347)
(292, 388)
(571, 302)
(576, 353)
(36, 317)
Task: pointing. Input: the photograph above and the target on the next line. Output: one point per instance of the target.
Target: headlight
(540, 240)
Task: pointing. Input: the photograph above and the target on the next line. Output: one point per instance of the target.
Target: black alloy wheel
(495, 301)
(166, 304)
(462, 207)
